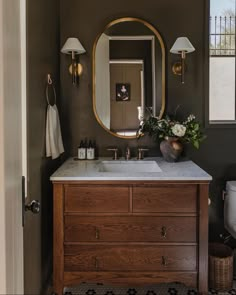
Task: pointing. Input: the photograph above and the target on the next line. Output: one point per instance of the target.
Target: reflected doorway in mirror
(122, 91)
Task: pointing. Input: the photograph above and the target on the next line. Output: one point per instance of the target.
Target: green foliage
(188, 131)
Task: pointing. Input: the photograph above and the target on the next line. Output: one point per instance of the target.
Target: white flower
(178, 130)
(191, 118)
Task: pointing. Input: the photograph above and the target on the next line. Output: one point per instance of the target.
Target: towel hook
(49, 79)
(50, 83)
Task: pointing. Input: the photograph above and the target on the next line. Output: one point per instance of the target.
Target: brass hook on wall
(50, 83)
(49, 79)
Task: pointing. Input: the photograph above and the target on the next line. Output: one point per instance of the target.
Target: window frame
(206, 84)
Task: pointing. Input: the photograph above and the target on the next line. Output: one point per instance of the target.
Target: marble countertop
(88, 170)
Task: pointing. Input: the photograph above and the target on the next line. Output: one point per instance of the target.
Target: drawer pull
(97, 234)
(96, 263)
(164, 261)
(163, 232)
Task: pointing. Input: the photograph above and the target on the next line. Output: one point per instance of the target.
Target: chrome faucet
(140, 153)
(127, 153)
(115, 150)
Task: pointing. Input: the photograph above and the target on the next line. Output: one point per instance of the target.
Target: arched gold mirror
(128, 75)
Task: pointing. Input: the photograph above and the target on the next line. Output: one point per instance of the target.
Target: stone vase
(171, 149)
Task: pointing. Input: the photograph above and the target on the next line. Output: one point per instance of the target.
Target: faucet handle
(141, 152)
(127, 153)
(115, 150)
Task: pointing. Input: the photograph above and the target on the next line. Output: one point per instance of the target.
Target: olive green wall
(42, 58)
(85, 20)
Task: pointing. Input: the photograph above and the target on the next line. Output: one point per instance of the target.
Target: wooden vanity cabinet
(130, 233)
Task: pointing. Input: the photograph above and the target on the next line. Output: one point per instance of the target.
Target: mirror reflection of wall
(133, 50)
(126, 95)
(129, 59)
(103, 80)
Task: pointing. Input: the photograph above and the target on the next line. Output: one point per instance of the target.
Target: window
(222, 104)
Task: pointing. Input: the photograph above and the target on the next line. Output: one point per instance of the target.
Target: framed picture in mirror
(122, 91)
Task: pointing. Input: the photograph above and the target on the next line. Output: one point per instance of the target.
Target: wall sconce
(74, 47)
(181, 46)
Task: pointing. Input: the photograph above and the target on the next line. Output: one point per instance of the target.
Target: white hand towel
(54, 144)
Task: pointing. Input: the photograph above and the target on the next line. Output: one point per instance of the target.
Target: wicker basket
(220, 267)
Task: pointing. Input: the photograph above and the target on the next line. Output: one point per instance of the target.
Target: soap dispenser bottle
(90, 151)
(81, 151)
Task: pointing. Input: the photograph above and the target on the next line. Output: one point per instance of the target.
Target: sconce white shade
(73, 45)
(182, 44)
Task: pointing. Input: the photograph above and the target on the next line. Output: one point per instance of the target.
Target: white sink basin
(129, 166)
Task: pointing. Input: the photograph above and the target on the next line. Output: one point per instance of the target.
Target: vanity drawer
(130, 229)
(129, 258)
(88, 199)
(169, 199)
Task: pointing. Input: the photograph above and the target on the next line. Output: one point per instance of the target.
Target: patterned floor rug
(158, 289)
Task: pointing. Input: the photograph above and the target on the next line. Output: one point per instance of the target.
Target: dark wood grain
(129, 257)
(96, 199)
(175, 198)
(112, 232)
(125, 278)
(130, 229)
(58, 238)
(203, 239)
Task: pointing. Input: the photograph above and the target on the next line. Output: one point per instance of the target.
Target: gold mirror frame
(157, 34)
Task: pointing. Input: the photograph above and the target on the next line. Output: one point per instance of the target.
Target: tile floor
(158, 289)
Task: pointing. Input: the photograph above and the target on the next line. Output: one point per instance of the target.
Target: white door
(11, 230)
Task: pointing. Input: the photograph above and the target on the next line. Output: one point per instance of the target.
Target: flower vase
(171, 149)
